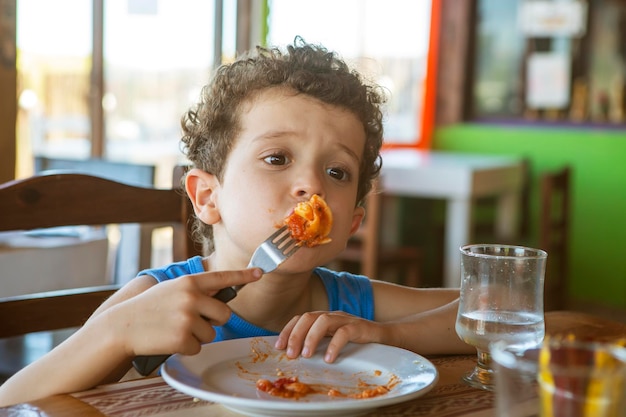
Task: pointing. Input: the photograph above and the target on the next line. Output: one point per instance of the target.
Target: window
(54, 62)
(386, 40)
(157, 55)
(550, 61)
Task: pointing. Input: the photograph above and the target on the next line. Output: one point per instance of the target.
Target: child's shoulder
(348, 292)
(341, 277)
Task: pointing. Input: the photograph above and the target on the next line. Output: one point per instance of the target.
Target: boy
(271, 130)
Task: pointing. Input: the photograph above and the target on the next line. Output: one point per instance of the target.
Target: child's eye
(276, 159)
(338, 174)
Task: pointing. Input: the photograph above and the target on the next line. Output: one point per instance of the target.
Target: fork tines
(283, 241)
(274, 250)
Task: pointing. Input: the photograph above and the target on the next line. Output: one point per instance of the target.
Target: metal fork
(272, 252)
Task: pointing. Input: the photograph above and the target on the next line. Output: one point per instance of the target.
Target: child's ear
(202, 191)
(357, 218)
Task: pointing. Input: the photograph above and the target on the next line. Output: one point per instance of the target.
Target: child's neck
(274, 300)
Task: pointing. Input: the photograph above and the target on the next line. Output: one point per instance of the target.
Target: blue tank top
(347, 292)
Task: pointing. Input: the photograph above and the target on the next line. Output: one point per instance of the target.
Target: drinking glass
(562, 378)
(501, 299)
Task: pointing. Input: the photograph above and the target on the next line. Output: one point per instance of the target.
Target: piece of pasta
(311, 222)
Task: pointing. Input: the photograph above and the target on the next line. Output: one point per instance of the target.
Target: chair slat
(78, 199)
(51, 310)
(554, 234)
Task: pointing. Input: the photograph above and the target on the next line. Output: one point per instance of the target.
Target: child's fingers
(340, 339)
(211, 282)
(308, 331)
(299, 332)
(283, 337)
(203, 332)
(339, 325)
(213, 311)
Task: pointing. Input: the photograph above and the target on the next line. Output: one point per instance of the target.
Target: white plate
(226, 373)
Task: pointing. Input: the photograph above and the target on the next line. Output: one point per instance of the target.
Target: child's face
(290, 147)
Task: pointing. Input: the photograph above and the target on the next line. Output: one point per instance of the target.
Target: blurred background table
(53, 259)
(457, 178)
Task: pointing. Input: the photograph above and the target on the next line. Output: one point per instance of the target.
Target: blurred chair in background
(554, 225)
(552, 228)
(366, 252)
(484, 209)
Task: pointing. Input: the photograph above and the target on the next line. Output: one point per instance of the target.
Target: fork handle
(226, 294)
(146, 364)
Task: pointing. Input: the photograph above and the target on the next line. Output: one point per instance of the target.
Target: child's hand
(303, 333)
(176, 316)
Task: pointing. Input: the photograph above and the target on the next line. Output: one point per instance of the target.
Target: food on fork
(310, 222)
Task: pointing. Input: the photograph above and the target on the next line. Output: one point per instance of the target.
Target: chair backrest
(484, 212)
(134, 249)
(554, 226)
(371, 232)
(76, 199)
(373, 258)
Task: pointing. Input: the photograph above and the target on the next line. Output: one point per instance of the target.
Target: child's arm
(421, 320)
(140, 319)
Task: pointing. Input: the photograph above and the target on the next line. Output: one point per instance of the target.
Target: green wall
(598, 159)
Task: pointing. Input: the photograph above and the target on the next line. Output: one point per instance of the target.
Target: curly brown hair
(211, 127)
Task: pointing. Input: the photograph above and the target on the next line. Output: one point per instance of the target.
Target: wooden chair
(134, 249)
(76, 199)
(553, 231)
(374, 259)
(554, 226)
(484, 209)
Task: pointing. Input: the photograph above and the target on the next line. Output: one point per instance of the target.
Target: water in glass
(501, 300)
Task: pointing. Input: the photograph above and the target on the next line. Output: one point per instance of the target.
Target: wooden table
(153, 397)
(449, 398)
(457, 178)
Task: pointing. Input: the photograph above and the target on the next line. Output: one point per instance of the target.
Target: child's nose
(307, 185)
(306, 195)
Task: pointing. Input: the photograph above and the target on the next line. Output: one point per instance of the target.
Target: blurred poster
(544, 18)
(548, 80)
